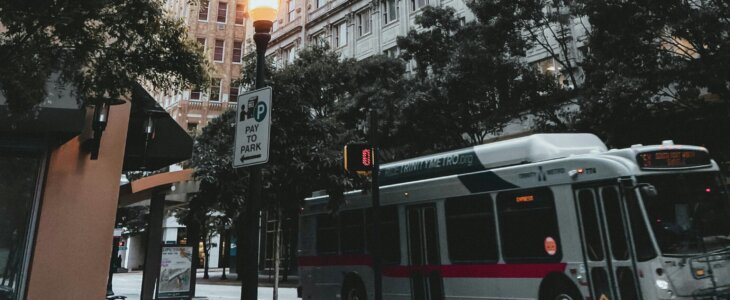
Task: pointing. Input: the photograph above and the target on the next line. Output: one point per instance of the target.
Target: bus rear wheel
(353, 290)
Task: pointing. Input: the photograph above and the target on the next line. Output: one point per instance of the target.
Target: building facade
(219, 27)
(362, 28)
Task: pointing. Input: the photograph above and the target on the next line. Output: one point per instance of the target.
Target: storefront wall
(73, 243)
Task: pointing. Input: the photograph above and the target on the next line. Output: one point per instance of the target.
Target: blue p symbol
(260, 111)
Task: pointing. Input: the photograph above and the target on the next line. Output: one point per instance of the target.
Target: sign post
(253, 128)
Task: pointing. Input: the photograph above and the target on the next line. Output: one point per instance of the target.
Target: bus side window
(353, 231)
(470, 229)
(389, 238)
(327, 238)
(528, 226)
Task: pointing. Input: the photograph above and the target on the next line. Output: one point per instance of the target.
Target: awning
(168, 145)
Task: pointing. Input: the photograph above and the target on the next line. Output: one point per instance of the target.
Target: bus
(545, 216)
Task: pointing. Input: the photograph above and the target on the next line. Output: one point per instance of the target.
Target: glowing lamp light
(263, 10)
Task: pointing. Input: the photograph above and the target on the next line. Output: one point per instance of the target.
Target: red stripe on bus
(479, 270)
(446, 271)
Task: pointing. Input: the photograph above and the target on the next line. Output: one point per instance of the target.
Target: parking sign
(253, 128)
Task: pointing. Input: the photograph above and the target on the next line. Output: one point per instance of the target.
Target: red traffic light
(359, 157)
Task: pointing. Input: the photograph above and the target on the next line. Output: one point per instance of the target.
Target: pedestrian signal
(359, 157)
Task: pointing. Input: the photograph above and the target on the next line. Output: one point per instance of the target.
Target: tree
(549, 26)
(102, 47)
(659, 73)
(471, 79)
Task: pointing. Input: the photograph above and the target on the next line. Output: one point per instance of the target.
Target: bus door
(609, 261)
(423, 253)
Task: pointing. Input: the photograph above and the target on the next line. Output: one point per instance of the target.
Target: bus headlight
(662, 284)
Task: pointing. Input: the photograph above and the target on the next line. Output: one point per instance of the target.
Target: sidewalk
(130, 284)
(231, 279)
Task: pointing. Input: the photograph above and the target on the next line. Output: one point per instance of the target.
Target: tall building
(363, 28)
(219, 26)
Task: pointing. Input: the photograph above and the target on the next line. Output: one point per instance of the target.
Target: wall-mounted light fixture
(98, 124)
(149, 127)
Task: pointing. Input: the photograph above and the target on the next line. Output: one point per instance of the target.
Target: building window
(237, 51)
(215, 89)
(292, 9)
(222, 11)
(218, 53)
(417, 4)
(203, 12)
(551, 67)
(290, 54)
(239, 14)
(275, 26)
(201, 42)
(195, 94)
(233, 91)
(391, 52)
(19, 174)
(390, 13)
(341, 34)
(318, 39)
(192, 127)
(321, 3)
(364, 22)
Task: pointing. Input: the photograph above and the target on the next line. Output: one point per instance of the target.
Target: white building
(359, 29)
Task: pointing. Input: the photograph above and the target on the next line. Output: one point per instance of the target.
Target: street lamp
(262, 13)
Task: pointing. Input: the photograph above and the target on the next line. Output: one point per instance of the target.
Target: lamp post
(262, 13)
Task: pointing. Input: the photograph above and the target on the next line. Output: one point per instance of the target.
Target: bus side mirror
(648, 190)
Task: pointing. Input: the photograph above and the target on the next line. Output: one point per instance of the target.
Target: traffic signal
(359, 157)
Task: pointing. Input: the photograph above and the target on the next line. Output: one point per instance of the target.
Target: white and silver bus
(547, 216)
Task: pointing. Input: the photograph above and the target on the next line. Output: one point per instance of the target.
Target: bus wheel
(561, 292)
(353, 289)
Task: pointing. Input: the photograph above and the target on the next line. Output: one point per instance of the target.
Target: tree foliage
(471, 79)
(662, 72)
(319, 101)
(102, 47)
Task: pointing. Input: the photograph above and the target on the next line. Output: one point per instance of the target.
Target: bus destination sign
(669, 159)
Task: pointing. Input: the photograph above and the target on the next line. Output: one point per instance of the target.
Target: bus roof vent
(636, 145)
(537, 147)
(533, 148)
(667, 143)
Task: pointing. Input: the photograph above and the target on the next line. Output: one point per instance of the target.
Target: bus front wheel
(353, 289)
(559, 289)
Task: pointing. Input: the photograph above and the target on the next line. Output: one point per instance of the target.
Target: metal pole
(376, 207)
(153, 256)
(249, 286)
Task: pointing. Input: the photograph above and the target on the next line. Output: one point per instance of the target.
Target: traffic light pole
(376, 208)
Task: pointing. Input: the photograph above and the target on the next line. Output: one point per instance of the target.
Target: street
(129, 285)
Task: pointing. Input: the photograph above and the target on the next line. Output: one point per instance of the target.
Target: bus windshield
(690, 212)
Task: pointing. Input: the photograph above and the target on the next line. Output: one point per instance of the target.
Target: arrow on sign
(244, 158)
